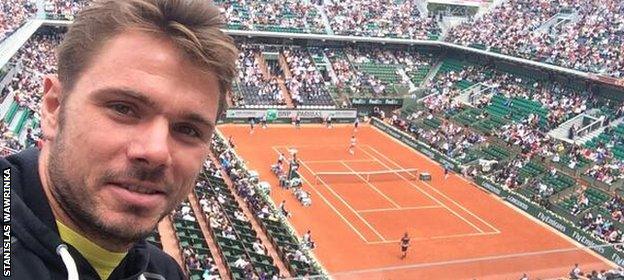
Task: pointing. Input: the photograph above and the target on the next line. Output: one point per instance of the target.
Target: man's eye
(121, 109)
(188, 130)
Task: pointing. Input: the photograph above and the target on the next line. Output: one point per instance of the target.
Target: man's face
(130, 137)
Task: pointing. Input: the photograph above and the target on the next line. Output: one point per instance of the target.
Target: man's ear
(50, 106)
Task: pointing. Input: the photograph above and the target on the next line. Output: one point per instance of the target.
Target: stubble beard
(82, 208)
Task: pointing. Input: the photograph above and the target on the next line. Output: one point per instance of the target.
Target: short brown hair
(192, 25)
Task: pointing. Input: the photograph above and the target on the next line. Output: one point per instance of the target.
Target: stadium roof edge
(355, 39)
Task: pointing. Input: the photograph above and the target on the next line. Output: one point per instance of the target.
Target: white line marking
(352, 273)
(439, 192)
(461, 235)
(330, 205)
(343, 201)
(338, 161)
(399, 209)
(372, 186)
(427, 194)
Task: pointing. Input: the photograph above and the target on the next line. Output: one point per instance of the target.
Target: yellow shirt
(102, 260)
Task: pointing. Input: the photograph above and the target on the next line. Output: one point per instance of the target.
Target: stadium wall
(285, 115)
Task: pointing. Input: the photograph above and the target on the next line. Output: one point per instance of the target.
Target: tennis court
(363, 203)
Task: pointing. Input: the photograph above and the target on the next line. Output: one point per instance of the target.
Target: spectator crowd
(591, 40)
(13, 13)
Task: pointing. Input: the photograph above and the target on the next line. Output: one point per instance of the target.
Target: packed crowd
(360, 18)
(34, 60)
(306, 83)
(296, 16)
(13, 13)
(287, 13)
(64, 9)
(257, 87)
(591, 41)
(379, 19)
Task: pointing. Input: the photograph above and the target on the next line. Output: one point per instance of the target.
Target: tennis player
(405, 243)
(352, 145)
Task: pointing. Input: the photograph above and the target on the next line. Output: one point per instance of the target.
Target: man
(252, 122)
(263, 121)
(576, 272)
(352, 144)
(126, 126)
(404, 245)
(297, 121)
(282, 208)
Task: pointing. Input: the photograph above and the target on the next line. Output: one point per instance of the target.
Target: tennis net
(367, 176)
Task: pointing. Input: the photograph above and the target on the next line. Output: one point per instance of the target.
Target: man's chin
(127, 228)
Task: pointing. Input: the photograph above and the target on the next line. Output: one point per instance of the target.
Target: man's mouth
(139, 189)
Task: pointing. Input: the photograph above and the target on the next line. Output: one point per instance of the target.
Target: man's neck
(62, 216)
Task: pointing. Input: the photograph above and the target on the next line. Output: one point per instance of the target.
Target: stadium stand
(64, 9)
(288, 247)
(306, 84)
(374, 72)
(256, 88)
(398, 19)
(506, 123)
(197, 258)
(20, 102)
(13, 13)
(581, 35)
(274, 16)
(242, 250)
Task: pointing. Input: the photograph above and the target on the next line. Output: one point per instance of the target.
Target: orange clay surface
(457, 230)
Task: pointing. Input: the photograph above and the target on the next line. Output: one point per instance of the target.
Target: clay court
(457, 230)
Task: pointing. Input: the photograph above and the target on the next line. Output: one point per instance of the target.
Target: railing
(593, 126)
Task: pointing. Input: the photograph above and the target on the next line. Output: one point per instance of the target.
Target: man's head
(128, 122)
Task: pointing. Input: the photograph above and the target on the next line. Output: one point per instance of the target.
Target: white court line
(461, 235)
(343, 201)
(399, 209)
(439, 192)
(372, 186)
(464, 235)
(352, 273)
(426, 193)
(330, 205)
(338, 161)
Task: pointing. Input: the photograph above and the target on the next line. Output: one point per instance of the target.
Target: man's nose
(152, 144)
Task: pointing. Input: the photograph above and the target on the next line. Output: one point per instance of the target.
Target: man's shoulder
(161, 265)
(18, 159)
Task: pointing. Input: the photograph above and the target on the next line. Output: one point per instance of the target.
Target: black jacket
(35, 238)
